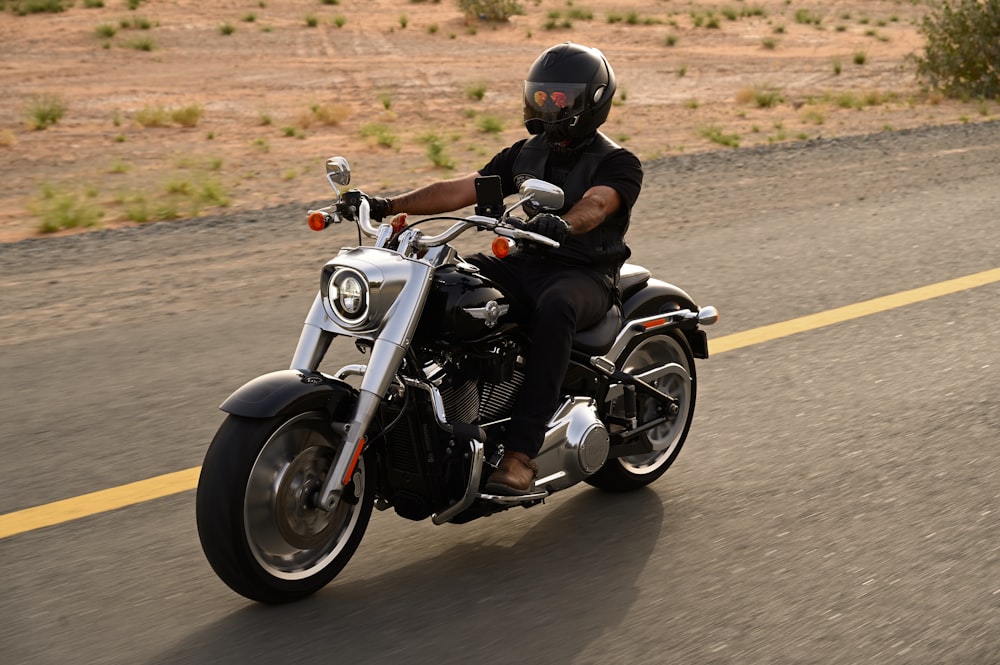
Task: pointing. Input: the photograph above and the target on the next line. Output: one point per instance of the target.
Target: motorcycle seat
(598, 338)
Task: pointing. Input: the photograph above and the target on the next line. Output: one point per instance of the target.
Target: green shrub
(716, 135)
(382, 135)
(187, 116)
(46, 110)
(58, 209)
(142, 44)
(24, 7)
(490, 10)
(436, 152)
(153, 116)
(962, 54)
(807, 17)
(476, 91)
(490, 124)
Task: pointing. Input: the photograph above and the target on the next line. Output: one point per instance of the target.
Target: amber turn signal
(502, 247)
(318, 221)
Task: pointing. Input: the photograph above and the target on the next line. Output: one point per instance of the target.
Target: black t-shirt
(620, 170)
(602, 248)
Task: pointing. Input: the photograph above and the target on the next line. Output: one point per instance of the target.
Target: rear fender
(659, 297)
(270, 394)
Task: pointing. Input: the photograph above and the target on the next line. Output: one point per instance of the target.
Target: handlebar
(332, 214)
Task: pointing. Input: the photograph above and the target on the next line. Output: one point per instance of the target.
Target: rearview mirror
(542, 194)
(338, 172)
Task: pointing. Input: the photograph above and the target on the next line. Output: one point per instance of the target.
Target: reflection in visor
(550, 102)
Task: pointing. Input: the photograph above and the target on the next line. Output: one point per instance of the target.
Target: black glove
(379, 207)
(548, 225)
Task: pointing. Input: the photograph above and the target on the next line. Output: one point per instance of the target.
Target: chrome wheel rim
(676, 382)
(289, 537)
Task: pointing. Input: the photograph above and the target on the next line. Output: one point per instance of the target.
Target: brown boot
(514, 476)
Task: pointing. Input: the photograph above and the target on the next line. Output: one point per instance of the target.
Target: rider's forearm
(597, 204)
(437, 197)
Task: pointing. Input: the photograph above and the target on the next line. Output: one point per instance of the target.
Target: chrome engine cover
(576, 445)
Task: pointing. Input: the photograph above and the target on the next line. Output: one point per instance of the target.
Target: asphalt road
(836, 502)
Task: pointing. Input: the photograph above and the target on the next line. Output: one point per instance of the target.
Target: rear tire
(624, 474)
(257, 522)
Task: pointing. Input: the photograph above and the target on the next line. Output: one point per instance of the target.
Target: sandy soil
(374, 80)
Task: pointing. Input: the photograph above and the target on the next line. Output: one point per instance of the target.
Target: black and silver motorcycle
(289, 482)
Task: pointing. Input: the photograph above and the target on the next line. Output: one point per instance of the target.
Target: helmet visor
(551, 102)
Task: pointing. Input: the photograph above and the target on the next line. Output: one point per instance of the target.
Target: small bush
(142, 45)
(490, 124)
(383, 135)
(24, 7)
(187, 116)
(490, 10)
(330, 114)
(436, 152)
(962, 53)
(716, 135)
(106, 30)
(476, 91)
(764, 97)
(153, 116)
(807, 17)
(46, 110)
(60, 210)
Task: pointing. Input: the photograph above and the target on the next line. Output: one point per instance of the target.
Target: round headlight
(349, 296)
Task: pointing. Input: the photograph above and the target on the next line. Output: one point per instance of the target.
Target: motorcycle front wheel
(623, 474)
(257, 520)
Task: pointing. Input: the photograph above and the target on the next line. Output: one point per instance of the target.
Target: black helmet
(568, 92)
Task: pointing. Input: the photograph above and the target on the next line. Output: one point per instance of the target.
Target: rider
(567, 96)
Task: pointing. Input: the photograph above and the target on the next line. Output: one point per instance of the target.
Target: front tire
(258, 525)
(624, 474)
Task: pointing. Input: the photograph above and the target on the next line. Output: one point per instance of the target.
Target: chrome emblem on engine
(490, 313)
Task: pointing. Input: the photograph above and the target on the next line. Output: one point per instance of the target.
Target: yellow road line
(86, 505)
(168, 484)
(848, 312)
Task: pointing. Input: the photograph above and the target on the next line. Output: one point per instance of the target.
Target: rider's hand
(379, 207)
(548, 225)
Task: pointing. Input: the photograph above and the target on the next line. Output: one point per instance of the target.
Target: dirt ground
(409, 91)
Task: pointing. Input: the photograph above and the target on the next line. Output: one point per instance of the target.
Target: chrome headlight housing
(362, 288)
(349, 295)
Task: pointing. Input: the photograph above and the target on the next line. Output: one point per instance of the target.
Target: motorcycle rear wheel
(258, 525)
(624, 474)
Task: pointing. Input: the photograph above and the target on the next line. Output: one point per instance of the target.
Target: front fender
(270, 394)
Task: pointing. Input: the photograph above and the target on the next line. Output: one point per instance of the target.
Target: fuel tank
(463, 306)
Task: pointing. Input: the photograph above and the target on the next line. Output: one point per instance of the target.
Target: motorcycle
(290, 480)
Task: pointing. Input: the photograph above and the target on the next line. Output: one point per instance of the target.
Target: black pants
(556, 301)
